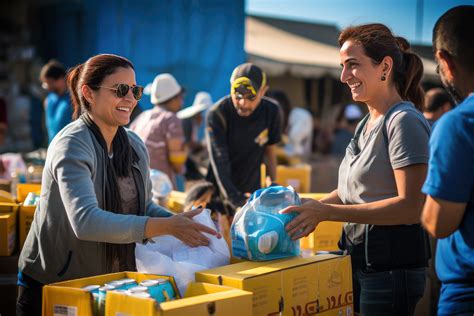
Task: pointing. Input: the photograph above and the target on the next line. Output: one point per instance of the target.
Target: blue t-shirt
(58, 113)
(451, 178)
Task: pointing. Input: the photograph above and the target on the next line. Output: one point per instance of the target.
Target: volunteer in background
(437, 103)
(380, 177)
(96, 198)
(297, 126)
(193, 119)
(345, 129)
(58, 108)
(242, 130)
(161, 130)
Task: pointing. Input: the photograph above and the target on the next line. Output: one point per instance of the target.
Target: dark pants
(29, 300)
(394, 292)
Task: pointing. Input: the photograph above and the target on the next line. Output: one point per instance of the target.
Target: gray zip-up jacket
(69, 230)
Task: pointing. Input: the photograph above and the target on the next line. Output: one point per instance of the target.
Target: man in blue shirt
(448, 213)
(57, 104)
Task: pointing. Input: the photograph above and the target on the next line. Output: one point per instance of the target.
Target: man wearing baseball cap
(161, 130)
(242, 130)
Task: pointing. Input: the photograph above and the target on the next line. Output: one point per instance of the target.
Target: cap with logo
(247, 79)
(164, 88)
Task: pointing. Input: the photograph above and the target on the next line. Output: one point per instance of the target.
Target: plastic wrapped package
(167, 255)
(258, 230)
(161, 186)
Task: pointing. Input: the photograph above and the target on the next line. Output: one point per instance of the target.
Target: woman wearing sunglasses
(380, 178)
(96, 198)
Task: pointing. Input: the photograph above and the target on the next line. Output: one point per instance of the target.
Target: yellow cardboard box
(6, 196)
(27, 212)
(176, 201)
(199, 299)
(326, 235)
(296, 286)
(314, 196)
(69, 298)
(299, 177)
(22, 190)
(8, 218)
(324, 238)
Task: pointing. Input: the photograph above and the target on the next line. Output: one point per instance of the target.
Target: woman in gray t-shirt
(380, 178)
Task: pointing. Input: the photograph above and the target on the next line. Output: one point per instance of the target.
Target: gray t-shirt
(399, 139)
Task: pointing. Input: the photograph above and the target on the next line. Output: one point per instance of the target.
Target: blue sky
(399, 15)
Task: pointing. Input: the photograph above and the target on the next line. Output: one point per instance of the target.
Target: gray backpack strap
(392, 112)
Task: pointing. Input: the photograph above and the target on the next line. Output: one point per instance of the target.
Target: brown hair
(53, 69)
(379, 42)
(92, 73)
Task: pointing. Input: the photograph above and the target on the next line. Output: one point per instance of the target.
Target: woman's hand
(311, 213)
(184, 228)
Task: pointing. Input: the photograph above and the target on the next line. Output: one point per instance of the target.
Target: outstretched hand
(189, 232)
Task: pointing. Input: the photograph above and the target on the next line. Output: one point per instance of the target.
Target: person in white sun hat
(193, 125)
(202, 101)
(160, 128)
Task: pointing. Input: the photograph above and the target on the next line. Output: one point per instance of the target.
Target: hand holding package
(258, 230)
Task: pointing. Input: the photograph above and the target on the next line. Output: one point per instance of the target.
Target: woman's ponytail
(409, 82)
(73, 78)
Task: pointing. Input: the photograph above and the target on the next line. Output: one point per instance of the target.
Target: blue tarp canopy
(198, 41)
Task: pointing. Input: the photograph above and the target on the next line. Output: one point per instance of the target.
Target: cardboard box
(70, 299)
(324, 238)
(22, 190)
(6, 197)
(326, 235)
(176, 201)
(299, 177)
(314, 196)
(200, 299)
(8, 234)
(27, 212)
(297, 286)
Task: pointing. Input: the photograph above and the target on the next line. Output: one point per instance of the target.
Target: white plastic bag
(170, 256)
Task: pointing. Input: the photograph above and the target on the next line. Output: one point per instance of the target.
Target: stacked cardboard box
(200, 299)
(319, 285)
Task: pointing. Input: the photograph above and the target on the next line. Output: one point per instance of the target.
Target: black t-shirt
(236, 146)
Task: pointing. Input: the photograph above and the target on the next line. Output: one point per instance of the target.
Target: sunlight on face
(359, 72)
(110, 110)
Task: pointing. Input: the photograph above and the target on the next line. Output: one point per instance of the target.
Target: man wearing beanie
(241, 132)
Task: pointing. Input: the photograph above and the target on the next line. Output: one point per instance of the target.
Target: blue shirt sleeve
(450, 170)
(66, 114)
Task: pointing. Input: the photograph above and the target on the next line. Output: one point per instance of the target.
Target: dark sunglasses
(122, 89)
(245, 92)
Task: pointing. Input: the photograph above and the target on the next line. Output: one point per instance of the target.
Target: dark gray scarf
(120, 257)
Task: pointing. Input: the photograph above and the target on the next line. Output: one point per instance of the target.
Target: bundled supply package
(167, 255)
(258, 229)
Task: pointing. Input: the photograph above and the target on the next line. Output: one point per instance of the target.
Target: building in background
(302, 59)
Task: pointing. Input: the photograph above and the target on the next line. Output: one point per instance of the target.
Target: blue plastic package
(258, 230)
